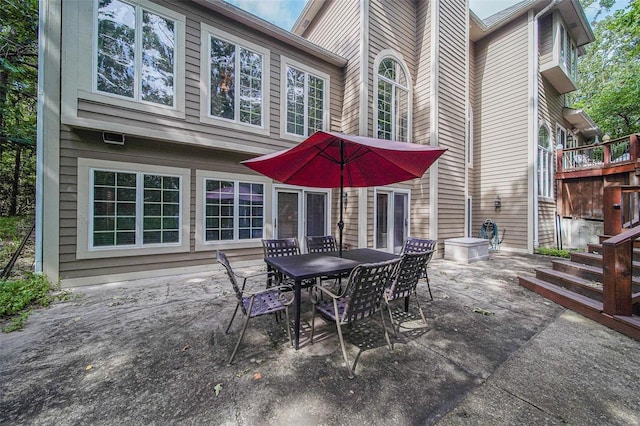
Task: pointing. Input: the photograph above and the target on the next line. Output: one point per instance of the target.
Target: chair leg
(244, 328)
(395, 333)
(415, 296)
(232, 318)
(428, 285)
(313, 322)
(286, 314)
(344, 349)
(386, 335)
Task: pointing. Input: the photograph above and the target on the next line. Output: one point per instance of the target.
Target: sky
(284, 13)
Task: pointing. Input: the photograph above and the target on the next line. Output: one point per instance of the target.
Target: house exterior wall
(179, 140)
(451, 98)
(338, 28)
(501, 108)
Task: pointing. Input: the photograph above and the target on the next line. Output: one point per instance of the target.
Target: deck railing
(621, 218)
(606, 154)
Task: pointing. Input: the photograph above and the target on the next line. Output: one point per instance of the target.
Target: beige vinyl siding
(337, 28)
(88, 144)
(452, 118)
(545, 39)
(392, 26)
(546, 223)
(244, 140)
(474, 171)
(501, 131)
(420, 195)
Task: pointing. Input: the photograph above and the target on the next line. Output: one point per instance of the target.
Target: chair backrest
(281, 247)
(407, 274)
(418, 245)
(364, 290)
(321, 244)
(222, 259)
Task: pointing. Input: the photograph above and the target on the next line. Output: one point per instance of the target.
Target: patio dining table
(308, 266)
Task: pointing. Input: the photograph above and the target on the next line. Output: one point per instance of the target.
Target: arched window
(393, 100)
(545, 162)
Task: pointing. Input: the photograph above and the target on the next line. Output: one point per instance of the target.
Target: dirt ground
(154, 352)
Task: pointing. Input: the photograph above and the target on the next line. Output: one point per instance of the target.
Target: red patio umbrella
(336, 160)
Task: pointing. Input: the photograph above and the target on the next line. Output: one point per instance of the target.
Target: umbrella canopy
(336, 160)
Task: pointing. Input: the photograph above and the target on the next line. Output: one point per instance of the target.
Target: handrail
(625, 150)
(617, 272)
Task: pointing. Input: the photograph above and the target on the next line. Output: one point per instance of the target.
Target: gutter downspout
(39, 139)
(535, 118)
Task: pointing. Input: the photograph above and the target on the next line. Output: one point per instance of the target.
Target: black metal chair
(405, 281)
(420, 245)
(254, 304)
(277, 248)
(321, 244)
(360, 298)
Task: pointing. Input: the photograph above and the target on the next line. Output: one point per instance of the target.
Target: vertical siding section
(420, 194)
(337, 28)
(501, 130)
(452, 117)
(545, 39)
(473, 171)
(392, 26)
(550, 104)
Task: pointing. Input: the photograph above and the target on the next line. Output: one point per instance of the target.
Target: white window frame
(79, 68)
(201, 243)
(284, 63)
(84, 250)
(206, 32)
(544, 174)
(392, 54)
(568, 48)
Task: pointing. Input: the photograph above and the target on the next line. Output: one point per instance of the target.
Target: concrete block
(466, 250)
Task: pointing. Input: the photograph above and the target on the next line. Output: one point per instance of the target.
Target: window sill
(119, 102)
(103, 253)
(228, 245)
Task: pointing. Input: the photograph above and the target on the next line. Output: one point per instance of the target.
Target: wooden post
(612, 215)
(617, 274)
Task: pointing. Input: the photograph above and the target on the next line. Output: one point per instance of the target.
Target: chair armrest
(327, 291)
(252, 274)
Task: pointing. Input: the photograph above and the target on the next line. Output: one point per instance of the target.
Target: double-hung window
(392, 100)
(305, 99)
(136, 53)
(545, 162)
(568, 52)
(237, 80)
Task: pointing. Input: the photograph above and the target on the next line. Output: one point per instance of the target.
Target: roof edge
(267, 28)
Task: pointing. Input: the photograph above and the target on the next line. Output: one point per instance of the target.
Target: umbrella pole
(341, 195)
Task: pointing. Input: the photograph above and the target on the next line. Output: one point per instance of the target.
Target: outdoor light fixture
(497, 203)
(344, 199)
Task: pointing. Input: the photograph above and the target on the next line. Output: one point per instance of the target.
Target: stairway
(577, 285)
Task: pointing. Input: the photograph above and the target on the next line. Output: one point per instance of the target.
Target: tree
(609, 87)
(18, 104)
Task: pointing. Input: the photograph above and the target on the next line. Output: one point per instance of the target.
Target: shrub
(553, 252)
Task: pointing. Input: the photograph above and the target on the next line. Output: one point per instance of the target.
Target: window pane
(158, 49)
(116, 47)
(250, 87)
(402, 112)
(113, 207)
(250, 200)
(315, 104)
(384, 109)
(223, 63)
(316, 214)
(161, 209)
(295, 101)
(382, 201)
(219, 202)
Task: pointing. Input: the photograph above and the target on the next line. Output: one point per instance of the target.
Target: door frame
(391, 207)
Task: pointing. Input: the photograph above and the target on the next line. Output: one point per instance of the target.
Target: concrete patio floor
(154, 352)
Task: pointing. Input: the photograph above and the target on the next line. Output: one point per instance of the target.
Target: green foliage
(609, 87)
(18, 103)
(12, 230)
(553, 252)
